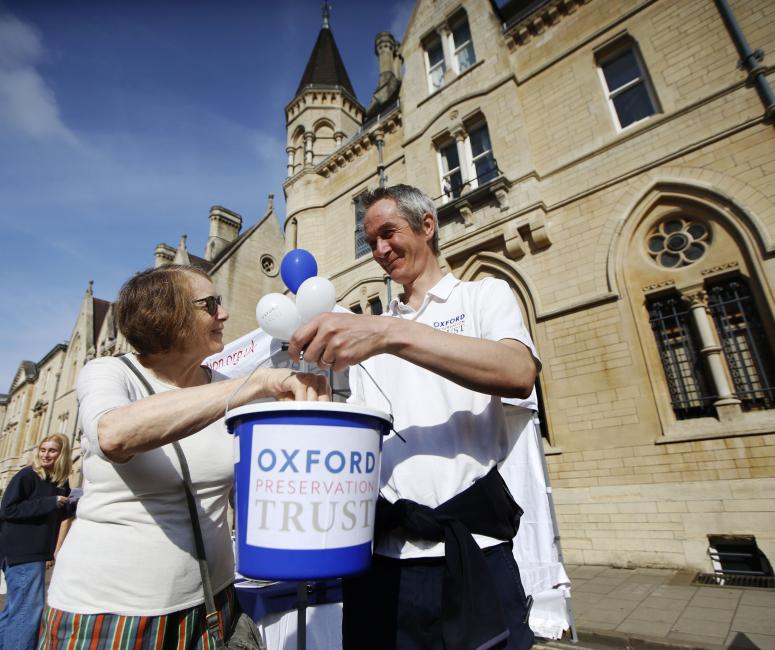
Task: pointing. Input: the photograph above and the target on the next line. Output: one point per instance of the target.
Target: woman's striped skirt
(183, 630)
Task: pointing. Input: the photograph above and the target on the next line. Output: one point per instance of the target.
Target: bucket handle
(387, 399)
(284, 348)
(239, 388)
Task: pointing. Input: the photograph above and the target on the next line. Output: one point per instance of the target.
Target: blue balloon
(297, 266)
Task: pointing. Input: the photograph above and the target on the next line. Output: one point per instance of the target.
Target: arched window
(695, 288)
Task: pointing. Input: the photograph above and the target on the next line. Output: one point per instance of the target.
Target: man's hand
(340, 340)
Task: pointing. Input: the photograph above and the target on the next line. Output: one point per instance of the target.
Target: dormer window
(449, 52)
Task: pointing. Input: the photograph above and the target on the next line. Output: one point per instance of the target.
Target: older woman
(33, 507)
(127, 574)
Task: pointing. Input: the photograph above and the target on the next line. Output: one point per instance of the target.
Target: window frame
(467, 165)
(610, 54)
(456, 49)
(449, 196)
(427, 46)
(361, 248)
(444, 37)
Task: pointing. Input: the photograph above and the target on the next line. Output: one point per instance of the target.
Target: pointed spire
(181, 255)
(325, 66)
(326, 14)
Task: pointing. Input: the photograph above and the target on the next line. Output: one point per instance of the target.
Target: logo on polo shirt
(454, 325)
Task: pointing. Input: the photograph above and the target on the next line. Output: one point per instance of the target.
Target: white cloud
(27, 103)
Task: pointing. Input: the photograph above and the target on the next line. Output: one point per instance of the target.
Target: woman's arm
(17, 505)
(64, 528)
(166, 417)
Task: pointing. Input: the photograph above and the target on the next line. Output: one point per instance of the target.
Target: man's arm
(504, 368)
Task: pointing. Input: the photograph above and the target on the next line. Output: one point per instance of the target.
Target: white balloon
(277, 316)
(315, 296)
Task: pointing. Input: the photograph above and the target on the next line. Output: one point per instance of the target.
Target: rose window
(678, 242)
(268, 265)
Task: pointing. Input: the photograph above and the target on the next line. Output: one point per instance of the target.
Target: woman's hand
(61, 501)
(284, 384)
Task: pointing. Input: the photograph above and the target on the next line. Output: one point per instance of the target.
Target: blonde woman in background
(34, 505)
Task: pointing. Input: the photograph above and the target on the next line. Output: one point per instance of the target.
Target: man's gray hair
(412, 205)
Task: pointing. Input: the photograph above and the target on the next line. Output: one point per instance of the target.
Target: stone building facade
(615, 166)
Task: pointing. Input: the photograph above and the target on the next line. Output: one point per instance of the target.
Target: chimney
(224, 229)
(385, 48)
(163, 255)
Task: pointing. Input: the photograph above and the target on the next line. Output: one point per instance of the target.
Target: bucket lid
(295, 407)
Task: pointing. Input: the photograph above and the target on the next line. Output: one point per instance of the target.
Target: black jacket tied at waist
(472, 616)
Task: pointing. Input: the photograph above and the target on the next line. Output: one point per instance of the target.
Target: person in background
(33, 507)
(440, 358)
(127, 575)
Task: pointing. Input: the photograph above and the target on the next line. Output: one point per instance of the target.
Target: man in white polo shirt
(439, 360)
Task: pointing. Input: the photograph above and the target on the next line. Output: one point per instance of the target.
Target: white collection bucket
(307, 481)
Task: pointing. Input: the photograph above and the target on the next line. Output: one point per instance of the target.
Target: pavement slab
(655, 615)
(644, 628)
(759, 620)
(723, 616)
(661, 608)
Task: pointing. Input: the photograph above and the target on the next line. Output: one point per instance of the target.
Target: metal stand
(301, 616)
(550, 496)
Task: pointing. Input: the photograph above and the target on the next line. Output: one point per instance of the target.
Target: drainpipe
(750, 60)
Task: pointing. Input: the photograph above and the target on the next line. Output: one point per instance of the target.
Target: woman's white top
(130, 550)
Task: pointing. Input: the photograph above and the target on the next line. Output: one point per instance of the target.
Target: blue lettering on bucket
(289, 460)
(271, 454)
(313, 458)
(341, 461)
(334, 461)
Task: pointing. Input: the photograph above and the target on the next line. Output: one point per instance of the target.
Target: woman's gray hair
(412, 205)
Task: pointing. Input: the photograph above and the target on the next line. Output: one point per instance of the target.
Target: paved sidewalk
(655, 609)
(644, 608)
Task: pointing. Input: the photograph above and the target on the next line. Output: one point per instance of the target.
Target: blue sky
(123, 121)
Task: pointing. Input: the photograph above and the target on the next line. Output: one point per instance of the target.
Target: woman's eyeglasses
(210, 304)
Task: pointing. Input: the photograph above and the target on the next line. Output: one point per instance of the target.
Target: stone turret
(389, 83)
(224, 229)
(325, 112)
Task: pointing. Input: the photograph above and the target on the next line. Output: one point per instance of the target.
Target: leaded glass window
(745, 343)
(678, 241)
(690, 389)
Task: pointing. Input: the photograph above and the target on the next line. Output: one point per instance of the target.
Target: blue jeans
(20, 620)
